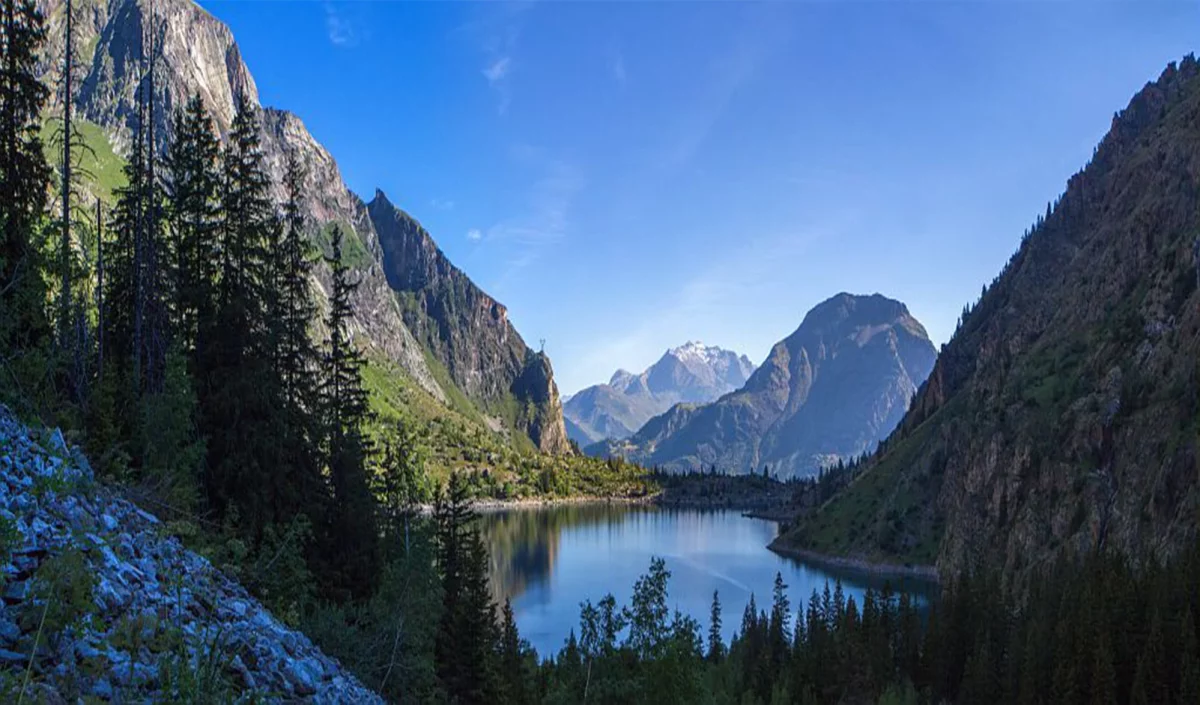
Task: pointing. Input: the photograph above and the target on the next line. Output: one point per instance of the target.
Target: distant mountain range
(692, 373)
(831, 390)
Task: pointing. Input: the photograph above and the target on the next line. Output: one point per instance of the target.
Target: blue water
(548, 560)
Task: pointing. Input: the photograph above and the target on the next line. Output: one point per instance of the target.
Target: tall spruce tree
(24, 175)
(354, 536)
(193, 217)
(465, 647)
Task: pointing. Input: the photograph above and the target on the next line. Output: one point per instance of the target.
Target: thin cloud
(342, 31)
(441, 204)
(618, 68)
(497, 70)
(546, 218)
(474, 235)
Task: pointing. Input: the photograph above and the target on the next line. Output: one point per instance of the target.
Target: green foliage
(354, 253)
(62, 594)
(103, 168)
(202, 679)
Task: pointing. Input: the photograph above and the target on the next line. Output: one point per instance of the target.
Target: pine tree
(24, 174)
(297, 354)
(512, 658)
(193, 214)
(465, 643)
(345, 405)
(716, 647)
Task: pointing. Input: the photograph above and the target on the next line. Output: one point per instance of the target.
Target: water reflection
(547, 560)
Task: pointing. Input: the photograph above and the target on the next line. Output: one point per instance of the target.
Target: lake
(547, 560)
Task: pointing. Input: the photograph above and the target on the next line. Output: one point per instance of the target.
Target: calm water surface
(547, 560)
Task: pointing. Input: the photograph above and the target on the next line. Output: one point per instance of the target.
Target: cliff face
(830, 390)
(1064, 414)
(468, 331)
(198, 56)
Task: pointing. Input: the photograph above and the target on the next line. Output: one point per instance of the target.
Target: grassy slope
(99, 167)
(457, 441)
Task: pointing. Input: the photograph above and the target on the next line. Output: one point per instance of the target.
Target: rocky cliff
(692, 373)
(1064, 414)
(829, 391)
(100, 604)
(468, 331)
(198, 55)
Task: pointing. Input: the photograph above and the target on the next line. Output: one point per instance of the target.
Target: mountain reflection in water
(547, 560)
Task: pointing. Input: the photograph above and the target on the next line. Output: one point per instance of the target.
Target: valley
(264, 439)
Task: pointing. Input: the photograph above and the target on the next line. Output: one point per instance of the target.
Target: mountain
(693, 373)
(1063, 416)
(831, 390)
(197, 55)
(468, 331)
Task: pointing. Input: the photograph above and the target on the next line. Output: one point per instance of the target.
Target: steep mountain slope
(1064, 414)
(830, 390)
(198, 56)
(467, 331)
(693, 373)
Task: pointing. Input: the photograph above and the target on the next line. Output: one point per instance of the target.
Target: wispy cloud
(497, 71)
(341, 29)
(441, 204)
(618, 67)
(474, 234)
(545, 218)
(497, 30)
(710, 304)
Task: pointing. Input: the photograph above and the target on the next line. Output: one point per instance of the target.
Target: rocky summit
(100, 604)
(829, 391)
(694, 373)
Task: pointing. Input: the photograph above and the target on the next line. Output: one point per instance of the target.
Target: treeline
(1100, 632)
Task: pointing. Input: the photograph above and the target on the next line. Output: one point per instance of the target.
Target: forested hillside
(1063, 417)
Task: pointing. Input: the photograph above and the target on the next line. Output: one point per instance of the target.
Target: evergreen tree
(716, 647)
(345, 404)
(193, 214)
(465, 646)
(24, 175)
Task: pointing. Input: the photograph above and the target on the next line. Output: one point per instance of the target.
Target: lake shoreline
(857, 565)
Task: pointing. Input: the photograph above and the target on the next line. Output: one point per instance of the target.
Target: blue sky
(626, 176)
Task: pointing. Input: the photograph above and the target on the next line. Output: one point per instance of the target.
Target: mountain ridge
(828, 391)
(197, 54)
(692, 372)
(1063, 416)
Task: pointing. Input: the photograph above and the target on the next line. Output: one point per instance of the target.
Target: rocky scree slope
(198, 56)
(831, 390)
(1063, 416)
(693, 373)
(116, 608)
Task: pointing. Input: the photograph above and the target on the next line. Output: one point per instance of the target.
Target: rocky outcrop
(468, 331)
(692, 373)
(829, 391)
(1063, 416)
(112, 608)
